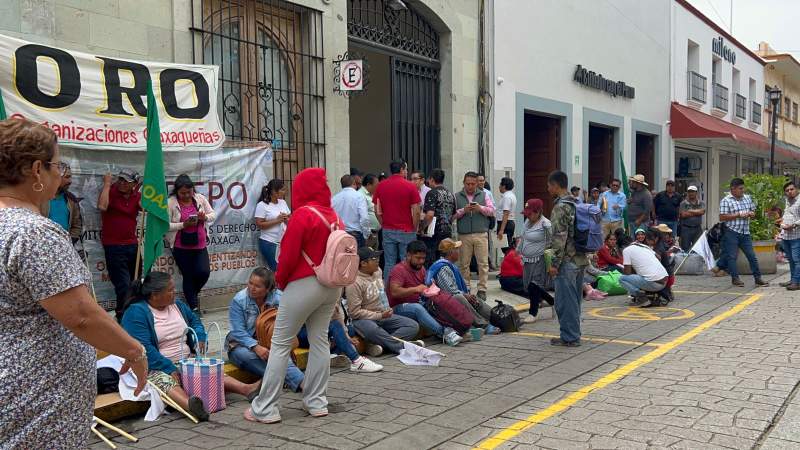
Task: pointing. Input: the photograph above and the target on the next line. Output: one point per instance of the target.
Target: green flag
(625, 188)
(154, 189)
(3, 115)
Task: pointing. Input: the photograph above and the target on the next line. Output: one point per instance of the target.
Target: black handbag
(505, 317)
(107, 380)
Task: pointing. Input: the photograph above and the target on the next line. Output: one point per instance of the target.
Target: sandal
(248, 416)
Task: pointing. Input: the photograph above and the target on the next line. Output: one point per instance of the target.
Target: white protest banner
(99, 102)
(231, 178)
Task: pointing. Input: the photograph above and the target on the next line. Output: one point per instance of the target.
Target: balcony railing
(741, 107)
(755, 113)
(697, 87)
(720, 97)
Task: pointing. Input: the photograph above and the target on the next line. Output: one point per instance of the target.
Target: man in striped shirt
(735, 211)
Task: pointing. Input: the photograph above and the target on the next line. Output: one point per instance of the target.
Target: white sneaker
(339, 361)
(418, 342)
(451, 338)
(374, 350)
(529, 319)
(364, 365)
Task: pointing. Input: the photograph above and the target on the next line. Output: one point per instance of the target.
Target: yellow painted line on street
(710, 292)
(565, 403)
(593, 339)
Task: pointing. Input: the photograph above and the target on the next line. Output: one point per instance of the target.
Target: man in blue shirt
(613, 204)
(64, 210)
(351, 206)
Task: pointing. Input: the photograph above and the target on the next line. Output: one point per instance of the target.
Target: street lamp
(775, 99)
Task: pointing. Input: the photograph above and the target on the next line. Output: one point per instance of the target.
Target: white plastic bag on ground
(414, 355)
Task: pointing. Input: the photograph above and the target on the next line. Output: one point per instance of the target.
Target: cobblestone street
(725, 379)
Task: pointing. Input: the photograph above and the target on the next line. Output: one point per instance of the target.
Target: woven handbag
(203, 377)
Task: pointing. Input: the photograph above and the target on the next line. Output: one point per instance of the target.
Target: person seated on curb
(154, 318)
(447, 276)
(650, 276)
(342, 344)
(406, 285)
(373, 320)
(243, 349)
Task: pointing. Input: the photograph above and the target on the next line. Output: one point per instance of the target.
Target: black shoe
(737, 282)
(760, 282)
(793, 287)
(562, 343)
(197, 409)
(637, 300)
(785, 284)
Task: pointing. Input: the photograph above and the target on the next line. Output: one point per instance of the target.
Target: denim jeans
(338, 336)
(384, 331)
(569, 295)
(359, 237)
(394, 249)
(246, 359)
(418, 312)
(792, 251)
(636, 284)
(732, 242)
(121, 266)
(269, 250)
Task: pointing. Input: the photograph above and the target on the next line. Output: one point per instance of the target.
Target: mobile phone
(193, 217)
(473, 203)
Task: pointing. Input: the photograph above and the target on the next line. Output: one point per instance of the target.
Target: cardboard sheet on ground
(414, 355)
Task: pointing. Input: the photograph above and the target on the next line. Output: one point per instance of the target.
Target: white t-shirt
(270, 211)
(508, 202)
(644, 262)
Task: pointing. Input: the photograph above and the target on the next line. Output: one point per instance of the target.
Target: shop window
(794, 112)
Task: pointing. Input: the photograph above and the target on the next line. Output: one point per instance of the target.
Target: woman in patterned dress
(49, 321)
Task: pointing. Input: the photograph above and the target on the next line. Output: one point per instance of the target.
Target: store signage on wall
(594, 80)
(723, 51)
(100, 102)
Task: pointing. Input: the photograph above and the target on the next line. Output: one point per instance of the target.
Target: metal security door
(415, 114)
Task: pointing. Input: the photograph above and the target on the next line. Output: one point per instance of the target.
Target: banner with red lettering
(230, 177)
(100, 102)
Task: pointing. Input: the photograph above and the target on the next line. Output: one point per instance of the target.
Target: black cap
(365, 253)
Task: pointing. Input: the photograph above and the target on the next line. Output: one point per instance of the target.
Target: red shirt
(605, 258)
(403, 275)
(396, 196)
(511, 265)
(119, 219)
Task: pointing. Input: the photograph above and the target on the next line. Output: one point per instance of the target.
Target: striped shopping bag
(202, 376)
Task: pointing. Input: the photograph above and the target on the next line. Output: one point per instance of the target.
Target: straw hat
(638, 178)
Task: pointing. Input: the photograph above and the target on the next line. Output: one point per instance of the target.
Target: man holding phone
(735, 211)
(473, 207)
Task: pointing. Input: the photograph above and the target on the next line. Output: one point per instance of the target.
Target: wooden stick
(172, 403)
(105, 439)
(139, 246)
(113, 428)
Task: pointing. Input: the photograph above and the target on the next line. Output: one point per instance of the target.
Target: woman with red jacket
(304, 300)
(609, 257)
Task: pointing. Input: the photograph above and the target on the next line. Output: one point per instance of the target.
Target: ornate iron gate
(271, 82)
(414, 46)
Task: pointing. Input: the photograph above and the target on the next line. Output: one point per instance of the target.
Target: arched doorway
(398, 115)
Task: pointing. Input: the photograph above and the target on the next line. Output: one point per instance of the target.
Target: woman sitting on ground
(609, 257)
(244, 350)
(157, 321)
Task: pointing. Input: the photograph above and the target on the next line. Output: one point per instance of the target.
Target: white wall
(687, 26)
(537, 46)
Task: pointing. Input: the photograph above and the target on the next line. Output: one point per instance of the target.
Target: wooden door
(541, 146)
(645, 157)
(601, 156)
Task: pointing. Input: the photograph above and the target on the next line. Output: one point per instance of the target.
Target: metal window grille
(720, 97)
(271, 75)
(376, 23)
(755, 113)
(741, 106)
(697, 87)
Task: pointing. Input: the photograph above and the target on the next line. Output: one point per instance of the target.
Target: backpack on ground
(505, 317)
(339, 265)
(265, 326)
(450, 312)
(588, 234)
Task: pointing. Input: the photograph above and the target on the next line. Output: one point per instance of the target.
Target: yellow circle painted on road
(636, 313)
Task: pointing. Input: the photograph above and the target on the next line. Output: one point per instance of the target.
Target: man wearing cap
(447, 277)
(640, 204)
(120, 204)
(369, 309)
(692, 210)
(613, 203)
(667, 204)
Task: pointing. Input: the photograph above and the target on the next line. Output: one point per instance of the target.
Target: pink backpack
(339, 266)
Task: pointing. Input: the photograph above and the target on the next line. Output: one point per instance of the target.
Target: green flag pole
(625, 189)
(154, 189)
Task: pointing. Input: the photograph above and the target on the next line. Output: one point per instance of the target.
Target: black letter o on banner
(26, 77)
(168, 78)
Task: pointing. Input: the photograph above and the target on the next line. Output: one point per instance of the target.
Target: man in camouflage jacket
(567, 265)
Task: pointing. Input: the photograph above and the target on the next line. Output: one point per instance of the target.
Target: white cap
(692, 188)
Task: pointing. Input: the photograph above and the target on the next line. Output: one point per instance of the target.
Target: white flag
(701, 248)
